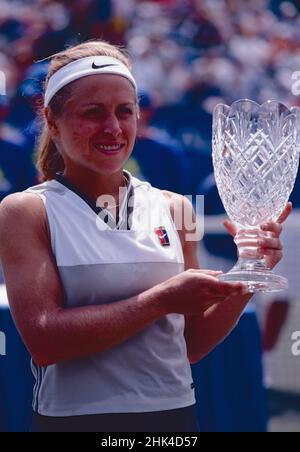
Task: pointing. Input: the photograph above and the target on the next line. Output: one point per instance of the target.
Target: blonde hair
(49, 159)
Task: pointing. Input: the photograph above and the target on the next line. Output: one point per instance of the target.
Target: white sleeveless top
(148, 372)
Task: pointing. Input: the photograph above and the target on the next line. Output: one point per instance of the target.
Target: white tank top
(148, 372)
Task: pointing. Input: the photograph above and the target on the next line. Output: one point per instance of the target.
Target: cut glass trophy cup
(256, 152)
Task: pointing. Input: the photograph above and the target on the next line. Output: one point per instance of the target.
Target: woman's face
(97, 128)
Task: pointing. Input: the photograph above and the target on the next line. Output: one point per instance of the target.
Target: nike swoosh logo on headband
(94, 66)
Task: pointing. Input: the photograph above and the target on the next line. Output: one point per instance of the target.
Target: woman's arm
(53, 333)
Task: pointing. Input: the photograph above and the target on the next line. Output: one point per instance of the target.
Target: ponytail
(49, 159)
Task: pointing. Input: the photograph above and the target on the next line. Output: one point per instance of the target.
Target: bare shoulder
(179, 204)
(185, 222)
(20, 199)
(28, 203)
(22, 212)
(171, 195)
(176, 200)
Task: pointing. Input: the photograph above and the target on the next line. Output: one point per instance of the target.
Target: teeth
(109, 148)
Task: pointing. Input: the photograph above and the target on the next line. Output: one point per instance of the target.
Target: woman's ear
(52, 123)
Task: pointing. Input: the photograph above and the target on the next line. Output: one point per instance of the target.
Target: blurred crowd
(239, 48)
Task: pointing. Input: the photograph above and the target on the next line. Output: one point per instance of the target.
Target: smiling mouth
(109, 149)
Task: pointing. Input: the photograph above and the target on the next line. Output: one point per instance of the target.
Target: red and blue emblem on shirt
(162, 235)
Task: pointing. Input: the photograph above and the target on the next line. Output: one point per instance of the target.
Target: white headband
(83, 67)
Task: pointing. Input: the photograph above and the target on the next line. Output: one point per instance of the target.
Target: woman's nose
(112, 126)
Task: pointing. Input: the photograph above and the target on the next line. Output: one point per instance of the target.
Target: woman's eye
(126, 111)
(92, 111)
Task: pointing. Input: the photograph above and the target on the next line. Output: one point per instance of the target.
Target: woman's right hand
(194, 291)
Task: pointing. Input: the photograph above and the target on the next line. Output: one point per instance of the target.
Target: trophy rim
(291, 110)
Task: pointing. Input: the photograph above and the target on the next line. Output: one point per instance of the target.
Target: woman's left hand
(270, 247)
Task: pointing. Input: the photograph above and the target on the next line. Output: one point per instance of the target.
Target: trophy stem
(251, 267)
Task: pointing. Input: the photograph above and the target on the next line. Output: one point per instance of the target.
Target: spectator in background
(23, 114)
(17, 171)
(207, 34)
(190, 124)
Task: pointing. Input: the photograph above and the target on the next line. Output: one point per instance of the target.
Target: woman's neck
(94, 185)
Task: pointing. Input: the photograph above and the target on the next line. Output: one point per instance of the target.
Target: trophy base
(257, 281)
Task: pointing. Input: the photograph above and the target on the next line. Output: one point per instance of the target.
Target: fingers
(276, 254)
(230, 227)
(226, 289)
(272, 226)
(275, 228)
(266, 244)
(219, 288)
(204, 270)
(287, 211)
(211, 272)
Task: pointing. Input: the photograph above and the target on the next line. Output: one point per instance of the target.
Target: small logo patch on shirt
(162, 235)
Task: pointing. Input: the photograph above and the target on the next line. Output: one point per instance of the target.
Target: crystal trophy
(255, 156)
